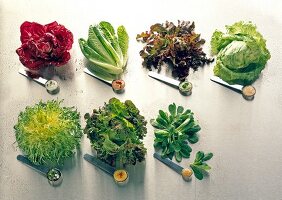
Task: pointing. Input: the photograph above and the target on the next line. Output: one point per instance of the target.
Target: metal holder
(175, 167)
(172, 82)
(54, 175)
(110, 83)
(106, 168)
(51, 86)
(237, 88)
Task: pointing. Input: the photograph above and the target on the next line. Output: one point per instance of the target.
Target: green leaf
(109, 33)
(178, 156)
(108, 26)
(123, 40)
(197, 172)
(204, 167)
(109, 146)
(196, 128)
(164, 116)
(48, 133)
(170, 155)
(182, 127)
(180, 109)
(107, 46)
(157, 125)
(94, 42)
(116, 131)
(185, 150)
(242, 53)
(162, 122)
(199, 156)
(88, 52)
(208, 156)
(176, 147)
(161, 133)
(185, 153)
(193, 138)
(172, 109)
(170, 149)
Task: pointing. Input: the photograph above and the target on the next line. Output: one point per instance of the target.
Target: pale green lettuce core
(106, 50)
(241, 53)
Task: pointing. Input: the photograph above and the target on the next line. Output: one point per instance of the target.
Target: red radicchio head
(44, 45)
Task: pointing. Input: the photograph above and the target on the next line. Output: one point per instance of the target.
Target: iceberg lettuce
(241, 53)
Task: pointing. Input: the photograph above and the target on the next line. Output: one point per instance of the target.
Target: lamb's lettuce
(241, 53)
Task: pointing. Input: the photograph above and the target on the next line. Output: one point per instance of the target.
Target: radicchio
(44, 45)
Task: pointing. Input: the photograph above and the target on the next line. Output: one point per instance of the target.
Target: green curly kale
(48, 133)
(241, 53)
(115, 132)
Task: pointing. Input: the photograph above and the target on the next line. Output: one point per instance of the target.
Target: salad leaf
(116, 131)
(241, 53)
(174, 130)
(106, 50)
(48, 133)
(176, 45)
(123, 40)
(44, 45)
(199, 166)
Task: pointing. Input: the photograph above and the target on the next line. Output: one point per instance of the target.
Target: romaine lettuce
(106, 50)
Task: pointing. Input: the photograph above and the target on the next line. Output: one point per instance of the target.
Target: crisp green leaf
(176, 146)
(199, 156)
(193, 138)
(123, 40)
(241, 53)
(178, 156)
(185, 153)
(197, 172)
(170, 155)
(204, 167)
(174, 129)
(199, 166)
(172, 109)
(164, 116)
(48, 133)
(180, 109)
(161, 133)
(162, 121)
(108, 26)
(157, 125)
(107, 45)
(94, 42)
(116, 131)
(208, 156)
(109, 33)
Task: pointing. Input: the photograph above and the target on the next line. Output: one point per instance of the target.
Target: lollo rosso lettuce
(44, 45)
(106, 49)
(241, 53)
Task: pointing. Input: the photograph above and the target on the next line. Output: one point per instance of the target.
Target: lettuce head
(241, 53)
